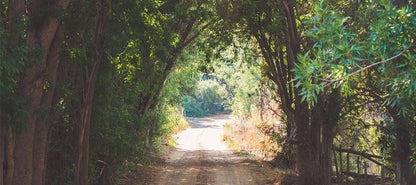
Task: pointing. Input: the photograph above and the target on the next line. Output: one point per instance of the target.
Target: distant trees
(113, 73)
(209, 98)
(231, 84)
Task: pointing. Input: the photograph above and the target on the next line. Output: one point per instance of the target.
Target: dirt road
(202, 158)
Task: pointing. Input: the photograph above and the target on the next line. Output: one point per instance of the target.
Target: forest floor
(202, 158)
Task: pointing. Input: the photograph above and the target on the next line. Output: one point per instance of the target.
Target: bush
(171, 121)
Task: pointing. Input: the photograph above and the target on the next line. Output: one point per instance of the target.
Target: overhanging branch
(369, 66)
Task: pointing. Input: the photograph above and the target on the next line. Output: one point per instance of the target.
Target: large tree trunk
(60, 137)
(32, 87)
(325, 115)
(404, 172)
(304, 157)
(303, 150)
(41, 135)
(10, 139)
(314, 128)
(15, 12)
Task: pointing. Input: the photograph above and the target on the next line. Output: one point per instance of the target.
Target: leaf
(358, 59)
(303, 98)
(345, 19)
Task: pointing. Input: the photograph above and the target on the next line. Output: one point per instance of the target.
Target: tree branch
(188, 28)
(188, 41)
(370, 66)
(363, 154)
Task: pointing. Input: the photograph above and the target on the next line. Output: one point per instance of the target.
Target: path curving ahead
(202, 158)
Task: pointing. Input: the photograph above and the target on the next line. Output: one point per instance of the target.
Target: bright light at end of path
(203, 134)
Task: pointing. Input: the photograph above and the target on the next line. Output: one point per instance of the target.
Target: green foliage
(141, 87)
(170, 122)
(184, 79)
(209, 98)
(344, 51)
(120, 133)
(243, 83)
(242, 73)
(141, 80)
(236, 69)
(193, 108)
(367, 51)
(13, 61)
(155, 51)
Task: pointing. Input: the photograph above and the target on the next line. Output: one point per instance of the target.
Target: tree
(35, 83)
(141, 41)
(275, 28)
(352, 47)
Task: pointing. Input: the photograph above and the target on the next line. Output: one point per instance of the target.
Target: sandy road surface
(202, 158)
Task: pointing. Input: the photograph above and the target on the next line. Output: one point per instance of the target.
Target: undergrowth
(171, 122)
(253, 136)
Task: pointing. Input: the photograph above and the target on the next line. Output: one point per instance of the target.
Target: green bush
(209, 98)
(170, 121)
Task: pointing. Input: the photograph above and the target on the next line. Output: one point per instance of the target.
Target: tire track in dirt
(201, 158)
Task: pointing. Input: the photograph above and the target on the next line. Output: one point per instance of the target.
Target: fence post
(383, 176)
(348, 166)
(340, 163)
(336, 163)
(358, 170)
(365, 166)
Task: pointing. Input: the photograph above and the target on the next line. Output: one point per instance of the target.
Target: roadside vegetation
(90, 88)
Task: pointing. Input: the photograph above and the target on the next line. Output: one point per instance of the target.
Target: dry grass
(252, 136)
(261, 139)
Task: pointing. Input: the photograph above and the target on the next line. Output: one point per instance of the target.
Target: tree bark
(88, 89)
(383, 176)
(301, 113)
(10, 139)
(314, 134)
(311, 129)
(404, 172)
(32, 87)
(151, 100)
(42, 128)
(2, 147)
(327, 140)
(323, 119)
(59, 132)
(15, 12)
